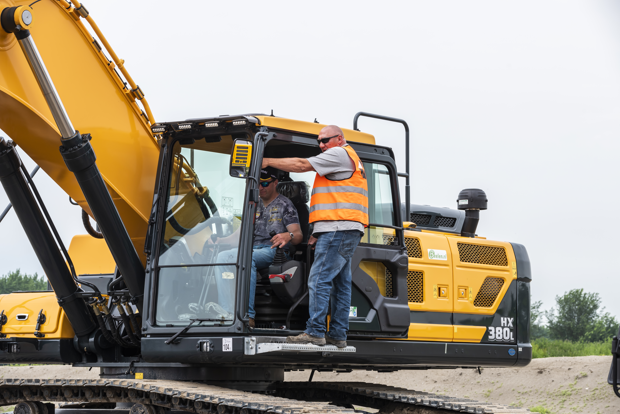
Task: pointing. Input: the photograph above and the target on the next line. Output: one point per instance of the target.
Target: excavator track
(155, 396)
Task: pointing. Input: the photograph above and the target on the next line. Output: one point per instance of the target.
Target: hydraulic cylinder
(42, 240)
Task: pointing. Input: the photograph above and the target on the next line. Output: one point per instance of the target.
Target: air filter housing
(472, 200)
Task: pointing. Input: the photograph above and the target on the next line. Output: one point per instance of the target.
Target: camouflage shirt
(279, 214)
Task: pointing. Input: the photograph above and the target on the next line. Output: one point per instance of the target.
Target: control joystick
(280, 257)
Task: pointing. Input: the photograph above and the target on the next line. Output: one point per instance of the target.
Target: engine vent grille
(441, 221)
(415, 286)
(421, 219)
(414, 249)
(488, 255)
(432, 220)
(488, 292)
(389, 287)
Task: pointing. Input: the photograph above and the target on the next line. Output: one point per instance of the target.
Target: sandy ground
(561, 385)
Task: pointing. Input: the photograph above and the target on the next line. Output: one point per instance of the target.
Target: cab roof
(311, 128)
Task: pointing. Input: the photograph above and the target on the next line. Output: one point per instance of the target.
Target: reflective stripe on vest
(341, 199)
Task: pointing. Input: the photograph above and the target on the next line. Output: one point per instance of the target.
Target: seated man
(273, 213)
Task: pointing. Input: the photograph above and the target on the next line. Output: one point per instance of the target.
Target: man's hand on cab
(312, 241)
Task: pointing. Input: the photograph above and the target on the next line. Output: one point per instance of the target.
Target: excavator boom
(98, 100)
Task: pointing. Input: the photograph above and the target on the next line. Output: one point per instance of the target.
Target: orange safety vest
(341, 200)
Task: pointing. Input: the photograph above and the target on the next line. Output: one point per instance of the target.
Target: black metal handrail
(408, 175)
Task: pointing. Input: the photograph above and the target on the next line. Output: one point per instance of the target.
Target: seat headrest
(296, 191)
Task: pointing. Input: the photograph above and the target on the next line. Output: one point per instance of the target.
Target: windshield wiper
(193, 321)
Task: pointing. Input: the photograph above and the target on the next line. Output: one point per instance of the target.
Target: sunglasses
(265, 184)
(326, 140)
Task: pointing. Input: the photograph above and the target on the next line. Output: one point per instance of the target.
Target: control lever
(280, 257)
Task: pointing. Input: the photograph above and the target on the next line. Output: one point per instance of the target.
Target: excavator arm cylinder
(42, 240)
(79, 157)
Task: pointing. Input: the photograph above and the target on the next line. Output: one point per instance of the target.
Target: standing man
(274, 213)
(339, 212)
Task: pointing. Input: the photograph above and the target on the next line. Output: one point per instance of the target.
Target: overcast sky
(520, 99)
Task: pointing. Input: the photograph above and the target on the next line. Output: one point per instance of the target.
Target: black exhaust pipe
(472, 200)
(42, 241)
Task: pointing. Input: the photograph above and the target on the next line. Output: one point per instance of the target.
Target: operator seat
(297, 192)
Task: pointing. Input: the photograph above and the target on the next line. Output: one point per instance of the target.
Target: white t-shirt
(334, 164)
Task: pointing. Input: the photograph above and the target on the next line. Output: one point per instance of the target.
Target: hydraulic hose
(64, 251)
(104, 330)
(89, 228)
(132, 318)
(127, 323)
(109, 322)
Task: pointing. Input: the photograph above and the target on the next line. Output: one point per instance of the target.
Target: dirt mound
(562, 385)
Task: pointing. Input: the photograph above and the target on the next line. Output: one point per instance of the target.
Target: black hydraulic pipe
(42, 240)
(408, 176)
(80, 160)
(8, 208)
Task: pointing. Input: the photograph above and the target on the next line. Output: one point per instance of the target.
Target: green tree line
(577, 316)
(17, 281)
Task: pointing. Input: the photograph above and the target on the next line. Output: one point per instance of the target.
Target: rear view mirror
(240, 158)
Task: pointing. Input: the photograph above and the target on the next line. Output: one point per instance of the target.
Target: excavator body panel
(80, 72)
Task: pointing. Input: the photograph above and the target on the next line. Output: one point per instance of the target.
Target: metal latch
(249, 346)
(204, 346)
(40, 321)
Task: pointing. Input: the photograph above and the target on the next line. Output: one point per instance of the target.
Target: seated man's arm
(282, 239)
(296, 230)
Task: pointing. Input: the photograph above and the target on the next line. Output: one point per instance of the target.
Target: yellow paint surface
(56, 325)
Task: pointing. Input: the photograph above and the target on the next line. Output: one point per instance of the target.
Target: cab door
(379, 304)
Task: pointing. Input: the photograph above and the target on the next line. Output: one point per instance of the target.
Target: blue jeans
(330, 277)
(262, 256)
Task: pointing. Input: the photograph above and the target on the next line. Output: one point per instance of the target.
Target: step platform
(255, 345)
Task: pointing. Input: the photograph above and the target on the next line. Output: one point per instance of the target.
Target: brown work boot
(304, 338)
(251, 323)
(339, 344)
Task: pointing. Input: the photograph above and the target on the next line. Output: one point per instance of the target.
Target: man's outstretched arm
(297, 165)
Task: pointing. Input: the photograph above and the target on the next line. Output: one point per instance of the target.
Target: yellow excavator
(137, 297)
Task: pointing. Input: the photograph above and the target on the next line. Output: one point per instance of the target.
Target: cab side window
(380, 205)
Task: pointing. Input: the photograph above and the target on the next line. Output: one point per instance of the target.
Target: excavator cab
(202, 257)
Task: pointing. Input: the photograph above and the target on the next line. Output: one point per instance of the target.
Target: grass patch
(544, 348)
(540, 409)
